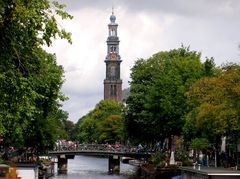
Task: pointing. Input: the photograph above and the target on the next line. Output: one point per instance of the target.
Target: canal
(89, 167)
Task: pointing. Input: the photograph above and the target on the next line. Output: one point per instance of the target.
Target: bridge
(63, 153)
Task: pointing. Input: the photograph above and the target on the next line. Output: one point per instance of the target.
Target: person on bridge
(117, 146)
(109, 147)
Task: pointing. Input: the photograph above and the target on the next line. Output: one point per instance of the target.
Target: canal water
(90, 167)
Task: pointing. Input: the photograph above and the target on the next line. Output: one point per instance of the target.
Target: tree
(111, 129)
(215, 106)
(103, 124)
(215, 102)
(138, 127)
(157, 102)
(60, 119)
(86, 129)
(30, 79)
(28, 113)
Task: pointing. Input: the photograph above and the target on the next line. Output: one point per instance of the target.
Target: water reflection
(89, 167)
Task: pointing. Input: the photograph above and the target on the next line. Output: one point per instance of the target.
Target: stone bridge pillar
(114, 164)
(62, 163)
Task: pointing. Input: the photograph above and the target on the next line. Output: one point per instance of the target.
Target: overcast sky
(211, 27)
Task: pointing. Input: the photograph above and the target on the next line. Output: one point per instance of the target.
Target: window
(113, 32)
(112, 71)
(113, 90)
(113, 49)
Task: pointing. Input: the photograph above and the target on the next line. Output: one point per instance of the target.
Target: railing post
(114, 164)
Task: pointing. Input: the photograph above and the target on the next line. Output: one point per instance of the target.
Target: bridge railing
(64, 145)
(96, 147)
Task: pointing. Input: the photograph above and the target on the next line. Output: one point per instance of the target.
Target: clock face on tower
(113, 56)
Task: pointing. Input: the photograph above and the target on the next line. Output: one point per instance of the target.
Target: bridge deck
(101, 153)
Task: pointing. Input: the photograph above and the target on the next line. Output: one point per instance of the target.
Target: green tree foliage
(157, 102)
(69, 127)
(29, 104)
(111, 129)
(215, 108)
(103, 124)
(64, 128)
(215, 105)
(137, 122)
(86, 129)
(30, 79)
(199, 144)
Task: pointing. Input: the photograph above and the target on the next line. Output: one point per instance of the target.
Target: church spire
(113, 82)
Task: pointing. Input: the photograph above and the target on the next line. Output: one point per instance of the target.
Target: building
(112, 82)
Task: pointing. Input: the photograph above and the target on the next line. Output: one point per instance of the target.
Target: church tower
(112, 82)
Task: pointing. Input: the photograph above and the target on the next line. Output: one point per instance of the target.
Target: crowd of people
(62, 145)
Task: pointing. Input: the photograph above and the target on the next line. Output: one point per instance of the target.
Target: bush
(159, 159)
(187, 163)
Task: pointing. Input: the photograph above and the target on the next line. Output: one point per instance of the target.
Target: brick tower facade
(112, 82)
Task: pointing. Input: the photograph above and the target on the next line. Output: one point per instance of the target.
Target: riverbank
(151, 172)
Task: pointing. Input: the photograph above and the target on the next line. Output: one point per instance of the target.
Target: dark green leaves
(157, 101)
(103, 124)
(30, 79)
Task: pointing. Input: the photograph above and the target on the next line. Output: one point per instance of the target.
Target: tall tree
(137, 125)
(157, 102)
(215, 105)
(30, 79)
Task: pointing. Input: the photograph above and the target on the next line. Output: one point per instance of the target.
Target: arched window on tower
(113, 49)
(113, 72)
(113, 32)
(113, 90)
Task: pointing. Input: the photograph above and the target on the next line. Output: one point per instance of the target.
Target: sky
(146, 27)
